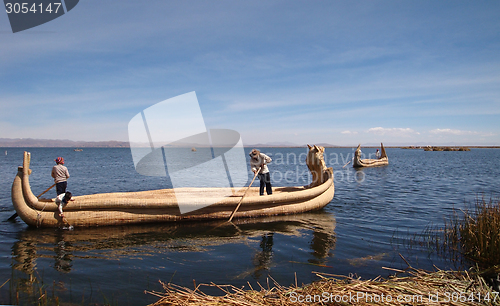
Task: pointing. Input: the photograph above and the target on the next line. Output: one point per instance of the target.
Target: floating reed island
(446, 148)
(407, 287)
(164, 205)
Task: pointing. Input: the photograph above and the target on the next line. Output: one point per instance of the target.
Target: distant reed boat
(382, 161)
(78, 150)
(161, 205)
(193, 149)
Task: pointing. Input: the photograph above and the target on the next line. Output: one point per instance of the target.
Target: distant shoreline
(248, 146)
(65, 143)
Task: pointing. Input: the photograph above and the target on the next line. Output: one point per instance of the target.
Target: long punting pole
(239, 203)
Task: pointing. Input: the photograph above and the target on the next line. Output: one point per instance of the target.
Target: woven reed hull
(160, 205)
(370, 162)
(382, 161)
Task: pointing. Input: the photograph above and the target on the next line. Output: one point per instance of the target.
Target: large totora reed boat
(358, 162)
(162, 205)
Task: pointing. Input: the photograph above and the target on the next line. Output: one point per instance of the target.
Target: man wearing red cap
(60, 174)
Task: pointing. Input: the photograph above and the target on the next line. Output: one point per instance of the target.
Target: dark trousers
(61, 187)
(265, 180)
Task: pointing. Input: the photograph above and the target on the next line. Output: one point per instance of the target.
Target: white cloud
(393, 131)
(452, 132)
(349, 132)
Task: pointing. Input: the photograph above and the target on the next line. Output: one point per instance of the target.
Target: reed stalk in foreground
(418, 288)
(31, 291)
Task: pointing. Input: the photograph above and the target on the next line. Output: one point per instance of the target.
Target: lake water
(359, 232)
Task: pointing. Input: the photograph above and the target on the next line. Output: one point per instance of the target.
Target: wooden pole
(41, 194)
(15, 215)
(347, 163)
(241, 200)
(12, 217)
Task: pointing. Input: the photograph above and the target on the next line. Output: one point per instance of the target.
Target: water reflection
(321, 244)
(262, 259)
(63, 253)
(63, 247)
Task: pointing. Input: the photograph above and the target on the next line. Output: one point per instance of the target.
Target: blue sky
(340, 72)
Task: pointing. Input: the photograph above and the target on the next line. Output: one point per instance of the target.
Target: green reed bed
(30, 291)
(474, 233)
(470, 238)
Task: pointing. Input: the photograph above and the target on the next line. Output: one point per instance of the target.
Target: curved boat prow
(23, 209)
(382, 151)
(29, 197)
(358, 151)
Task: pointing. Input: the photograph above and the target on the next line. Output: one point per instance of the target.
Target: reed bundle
(418, 287)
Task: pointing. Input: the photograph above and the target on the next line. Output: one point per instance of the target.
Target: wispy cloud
(452, 132)
(393, 131)
(455, 132)
(254, 106)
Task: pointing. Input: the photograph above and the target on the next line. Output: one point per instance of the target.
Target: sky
(337, 72)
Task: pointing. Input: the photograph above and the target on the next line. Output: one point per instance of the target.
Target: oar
(41, 194)
(347, 163)
(241, 200)
(12, 217)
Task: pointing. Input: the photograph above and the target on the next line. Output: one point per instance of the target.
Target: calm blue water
(358, 232)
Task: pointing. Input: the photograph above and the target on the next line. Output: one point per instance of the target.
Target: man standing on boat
(60, 174)
(259, 161)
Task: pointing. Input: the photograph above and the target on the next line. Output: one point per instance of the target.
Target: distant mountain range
(57, 143)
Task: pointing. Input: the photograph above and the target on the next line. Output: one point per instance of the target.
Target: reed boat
(382, 161)
(162, 206)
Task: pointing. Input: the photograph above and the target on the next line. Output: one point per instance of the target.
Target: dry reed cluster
(419, 287)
